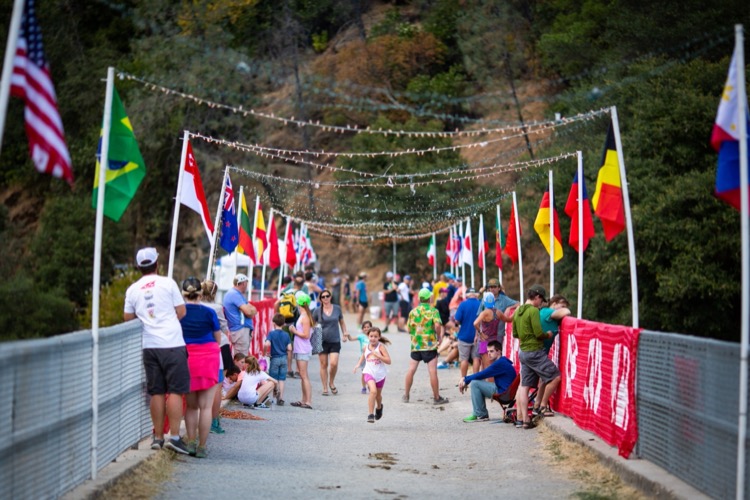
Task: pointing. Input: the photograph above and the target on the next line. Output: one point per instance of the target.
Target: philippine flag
(725, 138)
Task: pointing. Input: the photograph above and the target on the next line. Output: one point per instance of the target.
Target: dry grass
(598, 482)
(144, 481)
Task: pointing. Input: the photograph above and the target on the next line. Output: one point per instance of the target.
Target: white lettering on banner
(620, 395)
(593, 388)
(516, 357)
(570, 365)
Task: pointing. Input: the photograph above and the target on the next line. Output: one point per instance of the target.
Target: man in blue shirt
(465, 316)
(501, 370)
(239, 313)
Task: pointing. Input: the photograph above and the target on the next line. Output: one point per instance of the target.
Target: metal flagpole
(499, 229)
(580, 234)
(10, 54)
(518, 244)
(255, 249)
(95, 287)
(394, 256)
(217, 222)
(551, 238)
(628, 217)
(435, 258)
(745, 230)
(484, 256)
(177, 203)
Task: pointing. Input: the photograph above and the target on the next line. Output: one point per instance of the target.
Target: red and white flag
(193, 196)
(32, 82)
(272, 244)
(291, 252)
(482, 246)
(467, 250)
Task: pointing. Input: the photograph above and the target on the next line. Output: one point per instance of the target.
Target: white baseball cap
(146, 256)
(240, 278)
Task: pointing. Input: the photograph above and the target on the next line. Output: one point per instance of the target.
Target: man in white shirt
(404, 302)
(157, 302)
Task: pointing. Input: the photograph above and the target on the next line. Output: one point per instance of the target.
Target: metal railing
(46, 408)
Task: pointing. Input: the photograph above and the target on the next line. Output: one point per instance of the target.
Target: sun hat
(424, 294)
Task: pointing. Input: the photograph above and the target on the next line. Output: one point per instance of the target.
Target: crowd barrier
(262, 324)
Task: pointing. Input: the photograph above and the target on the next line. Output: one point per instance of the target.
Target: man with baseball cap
(158, 303)
(467, 347)
(535, 363)
(239, 315)
(426, 331)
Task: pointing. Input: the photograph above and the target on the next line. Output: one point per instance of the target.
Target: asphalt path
(416, 450)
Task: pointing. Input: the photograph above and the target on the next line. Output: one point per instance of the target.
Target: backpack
(288, 307)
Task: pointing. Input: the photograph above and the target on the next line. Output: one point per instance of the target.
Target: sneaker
(379, 412)
(443, 365)
(518, 424)
(385, 330)
(191, 446)
(405, 398)
(157, 444)
(216, 427)
(371, 419)
(364, 390)
(440, 401)
(280, 402)
(177, 445)
(201, 452)
(260, 406)
(290, 374)
(474, 418)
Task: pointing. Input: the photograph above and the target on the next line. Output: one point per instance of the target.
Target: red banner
(262, 324)
(597, 389)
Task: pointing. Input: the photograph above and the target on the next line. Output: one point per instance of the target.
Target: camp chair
(507, 400)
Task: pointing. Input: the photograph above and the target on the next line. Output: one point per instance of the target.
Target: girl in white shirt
(256, 385)
(375, 357)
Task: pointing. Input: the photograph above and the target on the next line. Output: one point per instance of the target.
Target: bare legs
(305, 379)
(198, 414)
(375, 396)
(328, 370)
(173, 409)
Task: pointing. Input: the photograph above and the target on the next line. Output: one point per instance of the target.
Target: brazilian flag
(125, 166)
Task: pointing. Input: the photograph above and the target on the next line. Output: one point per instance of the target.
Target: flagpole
(265, 258)
(580, 234)
(236, 253)
(177, 200)
(745, 230)
(551, 238)
(499, 235)
(435, 258)
(95, 292)
(394, 256)
(518, 245)
(628, 217)
(451, 230)
(284, 265)
(10, 54)
(471, 249)
(217, 222)
(255, 248)
(484, 256)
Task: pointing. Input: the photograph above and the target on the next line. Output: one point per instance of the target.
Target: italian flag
(431, 251)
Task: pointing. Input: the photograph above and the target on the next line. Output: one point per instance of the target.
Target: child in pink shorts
(375, 357)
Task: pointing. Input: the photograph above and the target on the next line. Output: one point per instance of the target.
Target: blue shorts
(277, 369)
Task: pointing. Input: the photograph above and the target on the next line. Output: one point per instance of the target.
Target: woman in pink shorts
(375, 357)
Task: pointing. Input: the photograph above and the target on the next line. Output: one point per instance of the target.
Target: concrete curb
(117, 469)
(641, 474)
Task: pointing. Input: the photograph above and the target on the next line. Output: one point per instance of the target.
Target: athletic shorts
(364, 304)
(369, 377)
(467, 351)
(536, 365)
(405, 308)
(391, 309)
(331, 347)
(425, 356)
(166, 371)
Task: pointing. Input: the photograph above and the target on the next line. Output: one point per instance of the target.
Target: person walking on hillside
(157, 302)
(235, 307)
(426, 331)
(332, 322)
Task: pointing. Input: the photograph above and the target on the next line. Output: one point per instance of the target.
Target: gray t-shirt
(330, 323)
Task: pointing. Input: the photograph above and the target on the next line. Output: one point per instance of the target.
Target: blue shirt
(502, 302)
(233, 299)
(279, 340)
(362, 289)
(501, 369)
(548, 325)
(199, 324)
(465, 315)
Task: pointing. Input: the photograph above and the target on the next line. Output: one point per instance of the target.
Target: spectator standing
(405, 296)
(239, 315)
(467, 347)
(489, 323)
(390, 299)
(331, 319)
(157, 302)
(278, 345)
(361, 293)
(302, 348)
(208, 298)
(202, 334)
(550, 317)
(426, 332)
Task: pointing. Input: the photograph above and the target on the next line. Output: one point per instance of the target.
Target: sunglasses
(325, 296)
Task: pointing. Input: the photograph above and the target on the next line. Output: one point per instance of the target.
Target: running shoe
(371, 419)
(177, 445)
(473, 418)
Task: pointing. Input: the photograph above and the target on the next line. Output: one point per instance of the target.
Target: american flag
(32, 82)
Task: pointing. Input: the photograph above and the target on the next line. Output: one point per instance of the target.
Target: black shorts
(167, 371)
(329, 347)
(364, 304)
(425, 356)
(405, 308)
(226, 356)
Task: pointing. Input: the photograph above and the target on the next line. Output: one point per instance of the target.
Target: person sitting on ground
(231, 375)
(501, 371)
(535, 364)
(278, 345)
(255, 387)
(363, 339)
(448, 347)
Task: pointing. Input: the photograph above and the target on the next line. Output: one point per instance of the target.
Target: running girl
(375, 357)
(363, 341)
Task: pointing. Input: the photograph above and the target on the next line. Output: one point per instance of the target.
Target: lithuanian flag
(246, 242)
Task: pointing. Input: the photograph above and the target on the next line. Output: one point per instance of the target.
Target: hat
(146, 256)
(363, 274)
(407, 277)
(539, 290)
(459, 278)
(425, 284)
(424, 295)
(389, 275)
(450, 276)
(493, 282)
(488, 299)
(240, 278)
(302, 299)
(471, 290)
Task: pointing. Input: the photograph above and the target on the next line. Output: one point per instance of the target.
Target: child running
(363, 341)
(375, 357)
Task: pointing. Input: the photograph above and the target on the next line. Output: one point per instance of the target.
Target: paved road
(417, 450)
